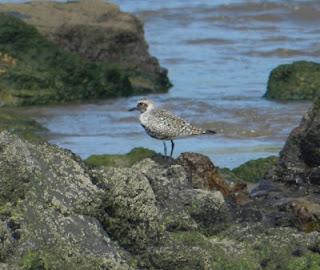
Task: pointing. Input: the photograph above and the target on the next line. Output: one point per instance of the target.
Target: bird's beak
(133, 109)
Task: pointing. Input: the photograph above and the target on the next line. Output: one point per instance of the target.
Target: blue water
(219, 55)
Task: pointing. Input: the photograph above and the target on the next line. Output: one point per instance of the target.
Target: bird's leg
(165, 148)
(172, 147)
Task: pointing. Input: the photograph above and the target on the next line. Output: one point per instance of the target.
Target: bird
(164, 125)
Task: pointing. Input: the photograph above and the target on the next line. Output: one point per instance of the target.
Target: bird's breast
(144, 119)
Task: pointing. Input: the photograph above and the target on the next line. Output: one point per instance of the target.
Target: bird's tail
(209, 131)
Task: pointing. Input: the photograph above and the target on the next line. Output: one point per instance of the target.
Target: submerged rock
(97, 31)
(297, 81)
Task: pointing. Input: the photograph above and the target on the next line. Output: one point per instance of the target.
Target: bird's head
(143, 105)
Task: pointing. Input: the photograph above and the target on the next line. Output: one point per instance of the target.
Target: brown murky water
(219, 55)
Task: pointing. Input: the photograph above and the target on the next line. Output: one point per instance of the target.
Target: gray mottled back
(164, 125)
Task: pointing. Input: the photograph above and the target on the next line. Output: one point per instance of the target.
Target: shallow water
(219, 56)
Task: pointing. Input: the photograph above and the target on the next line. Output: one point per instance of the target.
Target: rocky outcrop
(292, 185)
(46, 199)
(35, 71)
(97, 31)
(296, 81)
(56, 212)
(59, 214)
(300, 158)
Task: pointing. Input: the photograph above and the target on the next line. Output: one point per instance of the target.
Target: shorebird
(165, 125)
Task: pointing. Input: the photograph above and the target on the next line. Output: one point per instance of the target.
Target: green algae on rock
(35, 71)
(297, 81)
(254, 170)
(126, 160)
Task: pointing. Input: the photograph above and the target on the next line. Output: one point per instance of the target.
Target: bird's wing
(173, 125)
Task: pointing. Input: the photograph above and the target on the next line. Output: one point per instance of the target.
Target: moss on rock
(127, 160)
(254, 170)
(297, 81)
(36, 71)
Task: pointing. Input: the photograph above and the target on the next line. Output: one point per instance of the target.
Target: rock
(306, 213)
(289, 193)
(129, 208)
(58, 213)
(8, 239)
(202, 174)
(300, 158)
(264, 188)
(238, 247)
(145, 200)
(281, 205)
(42, 73)
(5, 266)
(293, 199)
(97, 31)
(46, 201)
(297, 81)
(310, 146)
(314, 176)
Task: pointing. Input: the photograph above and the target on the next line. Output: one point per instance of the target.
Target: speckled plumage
(164, 125)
